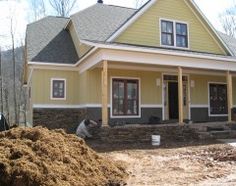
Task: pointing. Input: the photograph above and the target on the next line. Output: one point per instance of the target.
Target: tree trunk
(14, 74)
(1, 84)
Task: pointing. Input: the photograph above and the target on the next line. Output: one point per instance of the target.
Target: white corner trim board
(199, 106)
(65, 106)
(87, 106)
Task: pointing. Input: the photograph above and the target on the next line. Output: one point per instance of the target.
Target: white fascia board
(211, 26)
(167, 60)
(92, 61)
(159, 51)
(86, 55)
(130, 21)
(50, 64)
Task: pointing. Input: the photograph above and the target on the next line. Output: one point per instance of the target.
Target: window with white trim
(174, 34)
(218, 99)
(125, 97)
(58, 90)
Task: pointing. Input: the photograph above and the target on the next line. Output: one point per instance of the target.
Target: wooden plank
(229, 95)
(180, 94)
(104, 94)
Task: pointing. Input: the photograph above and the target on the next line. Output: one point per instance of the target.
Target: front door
(173, 100)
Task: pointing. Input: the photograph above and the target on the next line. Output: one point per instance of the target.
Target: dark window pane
(181, 35)
(169, 27)
(167, 36)
(58, 89)
(163, 26)
(181, 29)
(218, 99)
(125, 97)
(167, 39)
(181, 41)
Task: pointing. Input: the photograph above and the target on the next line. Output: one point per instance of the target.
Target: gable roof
(149, 4)
(99, 21)
(229, 41)
(48, 41)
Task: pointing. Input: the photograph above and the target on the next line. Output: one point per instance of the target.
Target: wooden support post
(180, 94)
(104, 95)
(229, 96)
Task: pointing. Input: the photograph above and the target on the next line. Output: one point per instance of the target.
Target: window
(181, 35)
(125, 97)
(174, 34)
(58, 87)
(167, 33)
(218, 99)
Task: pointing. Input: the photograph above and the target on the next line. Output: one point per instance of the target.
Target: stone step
(221, 134)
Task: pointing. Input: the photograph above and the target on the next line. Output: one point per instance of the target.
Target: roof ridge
(121, 7)
(60, 17)
(99, 4)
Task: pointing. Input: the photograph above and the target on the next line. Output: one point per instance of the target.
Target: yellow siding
(41, 87)
(85, 88)
(83, 85)
(234, 90)
(150, 93)
(81, 49)
(145, 31)
(199, 93)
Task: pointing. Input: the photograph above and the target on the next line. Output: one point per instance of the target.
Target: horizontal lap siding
(145, 31)
(41, 86)
(199, 93)
(150, 93)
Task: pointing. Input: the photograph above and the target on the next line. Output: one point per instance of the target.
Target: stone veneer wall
(67, 119)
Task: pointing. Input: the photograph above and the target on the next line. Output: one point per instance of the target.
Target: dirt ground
(38, 156)
(186, 164)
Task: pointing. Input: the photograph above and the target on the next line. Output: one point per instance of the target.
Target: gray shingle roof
(99, 21)
(229, 41)
(48, 41)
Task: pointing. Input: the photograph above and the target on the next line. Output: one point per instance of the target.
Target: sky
(20, 11)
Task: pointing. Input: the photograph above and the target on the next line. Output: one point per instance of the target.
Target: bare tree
(38, 9)
(12, 33)
(138, 3)
(7, 110)
(62, 7)
(1, 84)
(228, 21)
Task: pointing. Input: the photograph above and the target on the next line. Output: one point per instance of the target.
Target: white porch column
(104, 94)
(180, 94)
(229, 96)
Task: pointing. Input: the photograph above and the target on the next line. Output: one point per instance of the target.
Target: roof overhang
(154, 56)
(142, 55)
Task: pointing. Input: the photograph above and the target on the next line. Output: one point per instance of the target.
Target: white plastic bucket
(156, 140)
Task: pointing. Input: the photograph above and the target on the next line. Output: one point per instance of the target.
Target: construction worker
(84, 127)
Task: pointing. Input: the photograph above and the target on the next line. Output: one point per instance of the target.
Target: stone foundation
(67, 119)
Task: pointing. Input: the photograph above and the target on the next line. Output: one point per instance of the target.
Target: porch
(187, 86)
(155, 94)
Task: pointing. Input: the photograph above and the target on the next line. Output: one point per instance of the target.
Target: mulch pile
(38, 156)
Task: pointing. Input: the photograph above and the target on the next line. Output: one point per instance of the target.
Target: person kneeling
(84, 127)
